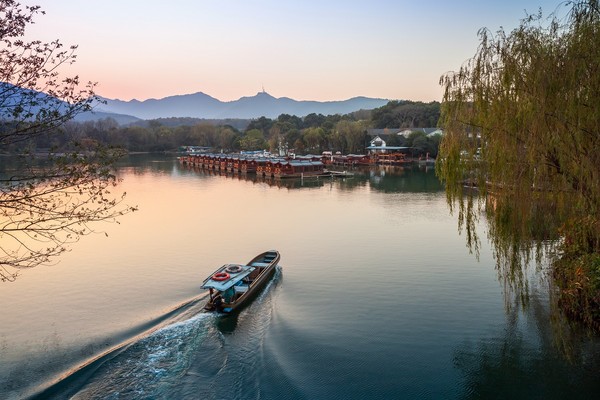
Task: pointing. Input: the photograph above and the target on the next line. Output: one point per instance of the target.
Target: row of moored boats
(262, 166)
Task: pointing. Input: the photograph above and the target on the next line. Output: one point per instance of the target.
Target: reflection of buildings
(298, 183)
(412, 179)
(383, 178)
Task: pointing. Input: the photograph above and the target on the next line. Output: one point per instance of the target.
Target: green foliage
(579, 281)
(395, 140)
(263, 124)
(313, 120)
(521, 122)
(406, 114)
(313, 138)
(420, 144)
(292, 121)
(354, 135)
(314, 133)
(252, 140)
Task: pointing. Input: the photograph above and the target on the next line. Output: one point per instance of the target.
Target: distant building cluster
(378, 144)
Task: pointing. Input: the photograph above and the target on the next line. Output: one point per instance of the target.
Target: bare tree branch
(45, 202)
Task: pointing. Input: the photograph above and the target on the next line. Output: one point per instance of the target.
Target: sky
(302, 49)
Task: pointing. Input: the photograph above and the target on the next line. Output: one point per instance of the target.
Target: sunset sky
(303, 49)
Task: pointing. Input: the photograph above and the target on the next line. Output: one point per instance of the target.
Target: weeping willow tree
(522, 125)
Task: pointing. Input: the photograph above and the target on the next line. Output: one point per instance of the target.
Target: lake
(377, 297)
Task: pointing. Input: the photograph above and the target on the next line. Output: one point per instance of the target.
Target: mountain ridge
(197, 105)
(202, 105)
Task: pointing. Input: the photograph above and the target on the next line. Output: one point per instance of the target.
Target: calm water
(377, 297)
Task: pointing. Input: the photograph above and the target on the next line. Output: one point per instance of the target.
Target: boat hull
(265, 265)
(231, 307)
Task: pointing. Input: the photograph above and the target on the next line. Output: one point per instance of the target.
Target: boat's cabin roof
(222, 279)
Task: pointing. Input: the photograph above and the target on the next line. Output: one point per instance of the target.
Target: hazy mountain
(197, 105)
(173, 106)
(121, 119)
(34, 101)
(200, 105)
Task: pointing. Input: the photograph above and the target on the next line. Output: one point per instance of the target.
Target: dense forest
(406, 114)
(313, 133)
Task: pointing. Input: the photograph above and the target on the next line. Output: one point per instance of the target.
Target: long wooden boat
(233, 285)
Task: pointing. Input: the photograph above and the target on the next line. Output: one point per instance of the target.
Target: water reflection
(523, 363)
(435, 327)
(386, 179)
(417, 179)
(227, 323)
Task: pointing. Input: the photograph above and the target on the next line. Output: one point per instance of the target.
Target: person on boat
(228, 294)
(218, 302)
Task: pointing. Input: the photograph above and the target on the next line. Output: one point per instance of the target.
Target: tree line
(313, 133)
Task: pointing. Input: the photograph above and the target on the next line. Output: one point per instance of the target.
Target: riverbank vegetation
(313, 133)
(522, 123)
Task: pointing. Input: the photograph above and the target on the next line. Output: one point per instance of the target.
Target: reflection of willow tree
(44, 204)
(523, 363)
(522, 122)
(409, 180)
(519, 231)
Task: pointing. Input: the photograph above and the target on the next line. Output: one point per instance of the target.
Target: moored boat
(233, 285)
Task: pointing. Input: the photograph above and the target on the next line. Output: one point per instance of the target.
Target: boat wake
(148, 367)
(190, 355)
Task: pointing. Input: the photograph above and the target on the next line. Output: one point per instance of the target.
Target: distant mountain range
(193, 106)
(201, 105)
